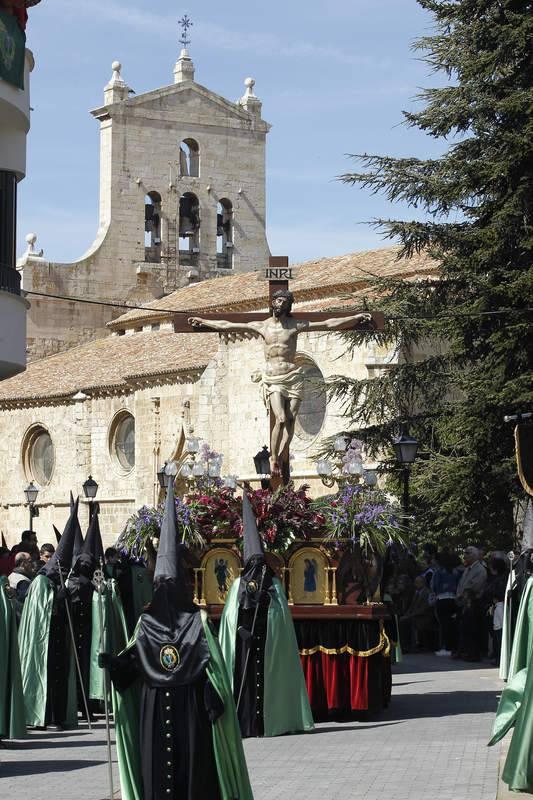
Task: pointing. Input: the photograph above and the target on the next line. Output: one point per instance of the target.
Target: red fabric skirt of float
(342, 681)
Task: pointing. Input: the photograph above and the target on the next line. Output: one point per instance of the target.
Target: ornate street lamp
(262, 466)
(163, 477)
(31, 491)
(405, 449)
(90, 488)
(262, 461)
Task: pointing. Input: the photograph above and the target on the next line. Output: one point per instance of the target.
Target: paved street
(430, 742)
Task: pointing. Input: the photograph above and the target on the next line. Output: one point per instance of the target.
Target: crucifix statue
(282, 378)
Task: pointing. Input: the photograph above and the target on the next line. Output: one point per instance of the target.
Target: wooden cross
(278, 274)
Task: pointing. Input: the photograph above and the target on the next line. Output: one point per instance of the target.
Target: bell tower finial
(185, 23)
(184, 68)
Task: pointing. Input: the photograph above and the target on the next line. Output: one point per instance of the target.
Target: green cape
(516, 703)
(286, 706)
(12, 721)
(114, 638)
(34, 632)
(227, 744)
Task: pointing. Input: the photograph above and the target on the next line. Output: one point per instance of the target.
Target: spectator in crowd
(45, 554)
(27, 544)
(497, 623)
(20, 580)
(496, 584)
(430, 562)
(418, 623)
(444, 586)
(469, 600)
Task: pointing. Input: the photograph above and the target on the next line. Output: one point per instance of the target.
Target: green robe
(34, 632)
(227, 745)
(286, 706)
(12, 721)
(515, 709)
(114, 639)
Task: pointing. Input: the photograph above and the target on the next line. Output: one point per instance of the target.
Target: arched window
(189, 163)
(224, 234)
(38, 455)
(312, 413)
(152, 227)
(122, 441)
(189, 229)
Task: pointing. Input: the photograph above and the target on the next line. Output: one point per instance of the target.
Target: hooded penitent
(259, 646)
(180, 738)
(515, 709)
(12, 716)
(81, 589)
(78, 537)
(47, 658)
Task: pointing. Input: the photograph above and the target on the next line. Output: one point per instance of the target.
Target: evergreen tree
(464, 335)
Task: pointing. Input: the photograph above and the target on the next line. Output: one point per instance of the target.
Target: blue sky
(333, 77)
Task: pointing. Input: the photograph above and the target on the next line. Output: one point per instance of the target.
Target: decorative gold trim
(334, 599)
(383, 645)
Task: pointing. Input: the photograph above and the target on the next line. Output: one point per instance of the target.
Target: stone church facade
(120, 406)
(182, 198)
(115, 393)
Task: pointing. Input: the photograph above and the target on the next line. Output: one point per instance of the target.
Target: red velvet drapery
(341, 685)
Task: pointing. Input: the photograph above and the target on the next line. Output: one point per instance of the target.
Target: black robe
(58, 663)
(175, 733)
(81, 594)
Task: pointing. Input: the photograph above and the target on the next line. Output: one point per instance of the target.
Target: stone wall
(140, 140)
(226, 410)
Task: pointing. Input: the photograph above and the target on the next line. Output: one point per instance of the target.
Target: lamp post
(262, 466)
(405, 449)
(90, 488)
(31, 491)
(163, 476)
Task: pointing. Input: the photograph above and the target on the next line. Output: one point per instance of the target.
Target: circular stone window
(123, 441)
(312, 411)
(38, 455)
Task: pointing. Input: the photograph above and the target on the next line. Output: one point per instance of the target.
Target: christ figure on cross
(282, 378)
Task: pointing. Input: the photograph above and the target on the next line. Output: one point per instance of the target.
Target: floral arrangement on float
(357, 515)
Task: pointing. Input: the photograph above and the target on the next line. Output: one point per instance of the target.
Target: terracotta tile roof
(246, 291)
(110, 362)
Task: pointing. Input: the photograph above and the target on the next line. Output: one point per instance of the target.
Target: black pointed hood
(171, 643)
(65, 549)
(252, 546)
(93, 545)
(78, 536)
(257, 576)
(166, 567)
(83, 567)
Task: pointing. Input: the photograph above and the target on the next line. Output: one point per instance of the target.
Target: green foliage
(474, 315)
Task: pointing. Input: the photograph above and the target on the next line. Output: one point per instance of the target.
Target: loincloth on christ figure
(289, 384)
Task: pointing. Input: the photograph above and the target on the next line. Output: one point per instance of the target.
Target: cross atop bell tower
(184, 68)
(185, 23)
